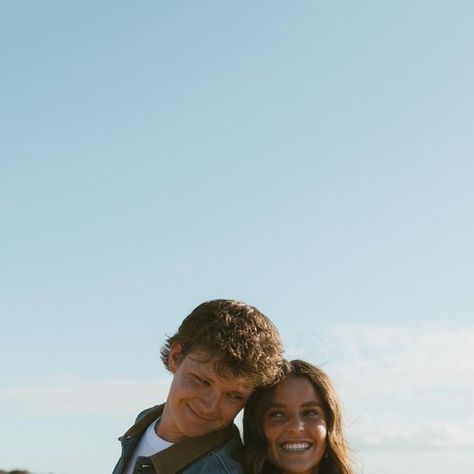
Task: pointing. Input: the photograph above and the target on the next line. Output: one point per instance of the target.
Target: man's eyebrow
(239, 393)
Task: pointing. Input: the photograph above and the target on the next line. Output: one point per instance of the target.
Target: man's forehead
(210, 364)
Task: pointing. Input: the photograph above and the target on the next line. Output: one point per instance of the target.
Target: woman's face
(295, 427)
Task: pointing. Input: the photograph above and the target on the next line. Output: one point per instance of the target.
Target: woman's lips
(295, 446)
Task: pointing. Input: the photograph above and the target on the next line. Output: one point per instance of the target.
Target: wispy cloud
(402, 385)
(69, 395)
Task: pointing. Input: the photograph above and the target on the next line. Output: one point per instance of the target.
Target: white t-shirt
(150, 443)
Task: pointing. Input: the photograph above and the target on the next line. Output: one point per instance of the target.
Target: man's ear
(175, 356)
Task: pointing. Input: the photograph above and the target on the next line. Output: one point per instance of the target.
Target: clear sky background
(314, 159)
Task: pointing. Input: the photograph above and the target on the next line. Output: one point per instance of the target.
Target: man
(222, 351)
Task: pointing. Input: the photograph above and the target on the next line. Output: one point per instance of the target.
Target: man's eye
(275, 414)
(236, 397)
(200, 380)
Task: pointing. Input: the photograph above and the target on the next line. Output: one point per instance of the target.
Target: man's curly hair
(242, 338)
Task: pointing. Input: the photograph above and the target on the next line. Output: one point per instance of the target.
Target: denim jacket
(214, 453)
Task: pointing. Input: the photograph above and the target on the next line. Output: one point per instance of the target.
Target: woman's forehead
(295, 388)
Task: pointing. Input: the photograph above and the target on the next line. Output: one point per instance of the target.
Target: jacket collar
(142, 423)
(185, 452)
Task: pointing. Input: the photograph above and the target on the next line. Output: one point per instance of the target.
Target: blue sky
(311, 158)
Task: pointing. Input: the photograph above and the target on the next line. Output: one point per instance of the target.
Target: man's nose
(210, 402)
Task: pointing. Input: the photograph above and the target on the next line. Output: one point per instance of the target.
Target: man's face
(199, 401)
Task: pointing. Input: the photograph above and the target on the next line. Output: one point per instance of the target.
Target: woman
(295, 426)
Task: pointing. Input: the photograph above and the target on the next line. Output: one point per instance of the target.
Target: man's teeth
(295, 446)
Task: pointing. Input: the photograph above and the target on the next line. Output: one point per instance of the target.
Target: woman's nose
(295, 425)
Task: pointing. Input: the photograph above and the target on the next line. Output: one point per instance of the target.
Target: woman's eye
(311, 413)
(275, 414)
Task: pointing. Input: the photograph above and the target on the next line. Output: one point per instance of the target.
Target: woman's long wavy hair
(336, 459)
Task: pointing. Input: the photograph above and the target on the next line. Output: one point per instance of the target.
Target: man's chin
(194, 430)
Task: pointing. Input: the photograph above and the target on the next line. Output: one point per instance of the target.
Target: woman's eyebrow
(311, 403)
(276, 405)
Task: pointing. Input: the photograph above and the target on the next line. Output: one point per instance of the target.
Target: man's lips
(197, 415)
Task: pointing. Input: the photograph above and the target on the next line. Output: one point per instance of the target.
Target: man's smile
(200, 417)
